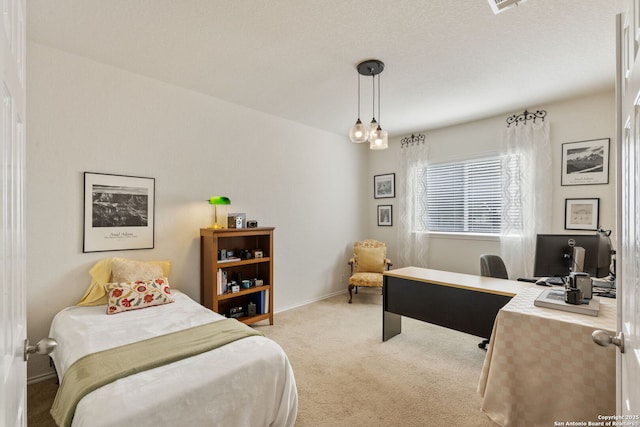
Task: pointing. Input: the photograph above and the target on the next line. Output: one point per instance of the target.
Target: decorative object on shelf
(377, 137)
(501, 5)
(524, 116)
(581, 214)
(384, 186)
(119, 212)
(412, 140)
(236, 220)
(385, 215)
(252, 223)
(219, 221)
(585, 162)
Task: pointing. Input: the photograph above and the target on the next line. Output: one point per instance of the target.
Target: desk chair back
(493, 266)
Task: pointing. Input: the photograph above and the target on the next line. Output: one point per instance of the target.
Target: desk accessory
(218, 220)
(555, 299)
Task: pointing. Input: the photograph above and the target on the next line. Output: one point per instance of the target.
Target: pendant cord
(358, 96)
(379, 117)
(373, 95)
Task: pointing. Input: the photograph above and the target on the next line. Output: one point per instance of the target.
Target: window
(462, 197)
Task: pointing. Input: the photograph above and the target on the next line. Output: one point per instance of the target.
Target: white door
(12, 215)
(628, 224)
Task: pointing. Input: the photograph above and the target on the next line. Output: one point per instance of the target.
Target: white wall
(584, 118)
(85, 116)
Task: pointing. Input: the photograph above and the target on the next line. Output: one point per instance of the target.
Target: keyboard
(554, 281)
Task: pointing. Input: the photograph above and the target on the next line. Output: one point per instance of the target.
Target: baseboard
(42, 377)
(311, 301)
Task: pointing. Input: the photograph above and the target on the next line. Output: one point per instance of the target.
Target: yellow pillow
(370, 260)
(101, 275)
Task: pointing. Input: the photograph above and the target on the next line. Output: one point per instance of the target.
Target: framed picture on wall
(384, 186)
(585, 162)
(385, 217)
(581, 214)
(119, 212)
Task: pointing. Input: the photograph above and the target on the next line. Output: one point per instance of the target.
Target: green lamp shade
(219, 200)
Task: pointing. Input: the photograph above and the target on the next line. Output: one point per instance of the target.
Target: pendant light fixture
(377, 137)
(359, 132)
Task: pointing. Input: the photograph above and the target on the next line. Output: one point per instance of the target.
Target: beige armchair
(368, 262)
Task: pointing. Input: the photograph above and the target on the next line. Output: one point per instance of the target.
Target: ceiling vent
(501, 5)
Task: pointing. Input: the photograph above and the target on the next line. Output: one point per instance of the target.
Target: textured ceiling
(446, 61)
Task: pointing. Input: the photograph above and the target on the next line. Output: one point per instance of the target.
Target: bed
(247, 382)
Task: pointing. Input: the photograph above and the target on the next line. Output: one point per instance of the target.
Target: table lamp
(222, 201)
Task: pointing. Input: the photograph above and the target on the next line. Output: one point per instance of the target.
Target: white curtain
(413, 240)
(526, 195)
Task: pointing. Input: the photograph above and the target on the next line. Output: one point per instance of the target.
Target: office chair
(492, 266)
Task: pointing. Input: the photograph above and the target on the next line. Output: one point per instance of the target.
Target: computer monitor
(554, 254)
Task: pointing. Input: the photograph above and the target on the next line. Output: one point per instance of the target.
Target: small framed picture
(384, 186)
(581, 214)
(385, 217)
(585, 162)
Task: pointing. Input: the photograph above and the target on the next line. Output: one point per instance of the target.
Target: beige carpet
(346, 375)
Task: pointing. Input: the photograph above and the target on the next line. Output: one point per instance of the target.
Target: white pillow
(126, 270)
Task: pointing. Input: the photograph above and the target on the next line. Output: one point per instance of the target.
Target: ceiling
(446, 62)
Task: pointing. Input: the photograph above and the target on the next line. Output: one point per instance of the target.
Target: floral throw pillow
(127, 296)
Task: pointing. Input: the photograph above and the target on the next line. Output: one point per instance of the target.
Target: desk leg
(391, 325)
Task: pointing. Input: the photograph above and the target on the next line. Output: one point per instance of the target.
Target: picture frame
(119, 212)
(385, 215)
(384, 186)
(582, 214)
(585, 162)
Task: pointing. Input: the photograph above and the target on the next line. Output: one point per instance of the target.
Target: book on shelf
(553, 298)
(232, 259)
(222, 281)
(261, 302)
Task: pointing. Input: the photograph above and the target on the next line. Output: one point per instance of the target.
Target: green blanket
(97, 369)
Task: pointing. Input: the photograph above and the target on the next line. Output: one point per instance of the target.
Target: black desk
(463, 302)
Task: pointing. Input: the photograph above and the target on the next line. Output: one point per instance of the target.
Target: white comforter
(248, 382)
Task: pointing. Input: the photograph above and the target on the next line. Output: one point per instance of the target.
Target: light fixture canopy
(373, 133)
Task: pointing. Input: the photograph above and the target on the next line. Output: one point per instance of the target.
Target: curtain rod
(526, 115)
(412, 140)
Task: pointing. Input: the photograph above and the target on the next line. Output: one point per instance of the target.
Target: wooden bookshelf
(213, 267)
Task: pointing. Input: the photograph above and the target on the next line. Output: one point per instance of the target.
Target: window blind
(461, 197)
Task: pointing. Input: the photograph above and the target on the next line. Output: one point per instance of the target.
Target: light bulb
(373, 126)
(380, 140)
(358, 132)
(374, 134)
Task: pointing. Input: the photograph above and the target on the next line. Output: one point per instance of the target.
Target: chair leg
(351, 296)
(483, 344)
